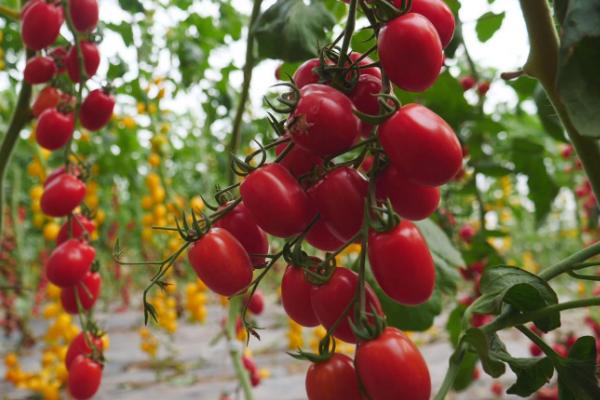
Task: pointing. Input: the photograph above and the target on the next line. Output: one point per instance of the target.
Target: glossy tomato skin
(62, 195)
(75, 229)
(40, 24)
(307, 73)
(364, 97)
(85, 14)
(69, 263)
(409, 199)
(221, 262)
(58, 54)
(242, 225)
(277, 201)
(39, 69)
(298, 161)
(323, 121)
(256, 304)
(295, 297)
(373, 71)
(331, 299)
(410, 52)
(321, 236)
(402, 264)
(54, 129)
(91, 61)
(88, 291)
(421, 145)
(438, 13)
(85, 376)
(80, 346)
(334, 379)
(340, 200)
(391, 367)
(49, 97)
(96, 110)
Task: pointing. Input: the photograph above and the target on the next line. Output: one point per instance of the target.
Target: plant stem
(240, 371)
(350, 23)
(452, 372)
(248, 69)
(542, 64)
(9, 13)
(570, 263)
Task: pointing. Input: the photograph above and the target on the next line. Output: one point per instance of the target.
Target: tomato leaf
(486, 347)
(464, 376)
(488, 24)
(532, 374)
(548, 116)
(439, 243)
(577, 373)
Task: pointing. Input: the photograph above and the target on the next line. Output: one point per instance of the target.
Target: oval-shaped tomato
(96, 110)
(40, 24)
(75, 229)
(54, 129)
(298, 161)
(334, 379)
(402, 264)
(321, 236)
(307, 73)
(62, 195)
(295, 297)
(438, 13)
(49, 97)
(91, 60)
(364, 97)
(242, 225)
(39, 69)
(88, 290)
(69, 263)
(277, 201)
(422, 145)
(340, 199)
(79, 346)
(256, 304)
(409, 199)
(58, 172)
(391, 367)
(323, 121)
(410, 52)
(221, 262)
(331, 299)
(85, 14)
(85, 376)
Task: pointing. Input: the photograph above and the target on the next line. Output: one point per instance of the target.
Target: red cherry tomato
(62, 195)
(409, 199)
(321, 236)
(295, 297)
(340, 199)
(277, 201)
(323, 121)
(88, 290)
(535, 350)
(467, 82)
(221, 262)
(410, 52)
(307, 73)
(331, 299)
(79, 346)
(91, 61)
(365, 98)
(422, 145)
(49, 97)
(58, 54)
(75, 229)
(39, 69)
(438, 13)
(58, 172)
(497, 389)
(467, 233)
(391, 367)
(373, 71)
(84, 14)
(85, 376)
(242, 225)
(402, 264)
(483, 88)
(54, 129)
(69, 263)
(256, 304)
(334, 379)
(40, 24)
(96, 110)
(298, 161)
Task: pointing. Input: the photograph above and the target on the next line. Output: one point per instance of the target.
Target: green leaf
(486, 347)
(454, 324)
(491, 168)
(363, 40)
(532, 374)
(292, 31)
(578, 78)
(439, 243)
(464, 377)
(577, 374)
(548, 116)
(488, 24)
(132, 6)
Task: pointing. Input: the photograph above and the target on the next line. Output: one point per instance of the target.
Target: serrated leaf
(488, 24)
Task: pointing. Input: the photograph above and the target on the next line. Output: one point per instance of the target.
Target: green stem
(537, 340)
(240, 371)
(350, 23)
(451, 373)
(572, 262)
(9, 13)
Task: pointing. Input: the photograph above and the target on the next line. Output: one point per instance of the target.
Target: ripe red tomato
(221, 262)
(438, 13)
(39, 69)
(295, 297)
(88, 290)
(85, 14)
(49, 97)
(96, 110)
(256, 304)
(69, 263)
(331, 299)
(467, 233)
(334, 379)
(307, 73)
(321, 237)
(62, 195)
(409, 199)
(91, 60)
(364, 97)
(391, 367)
(75, 229)
(535, 350)
(85, 376)
(54, 129)
(242, 225)
(373, 71)
(58, 172)
(483, 88)
(340, 199)
(58, 54)
(422, 145)
(467, 82)
(323, 121)
(410, 52)
(79, 346)
(277, 201)
(40, 24)
(497, 389)
(298, 161)
(402, 264)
